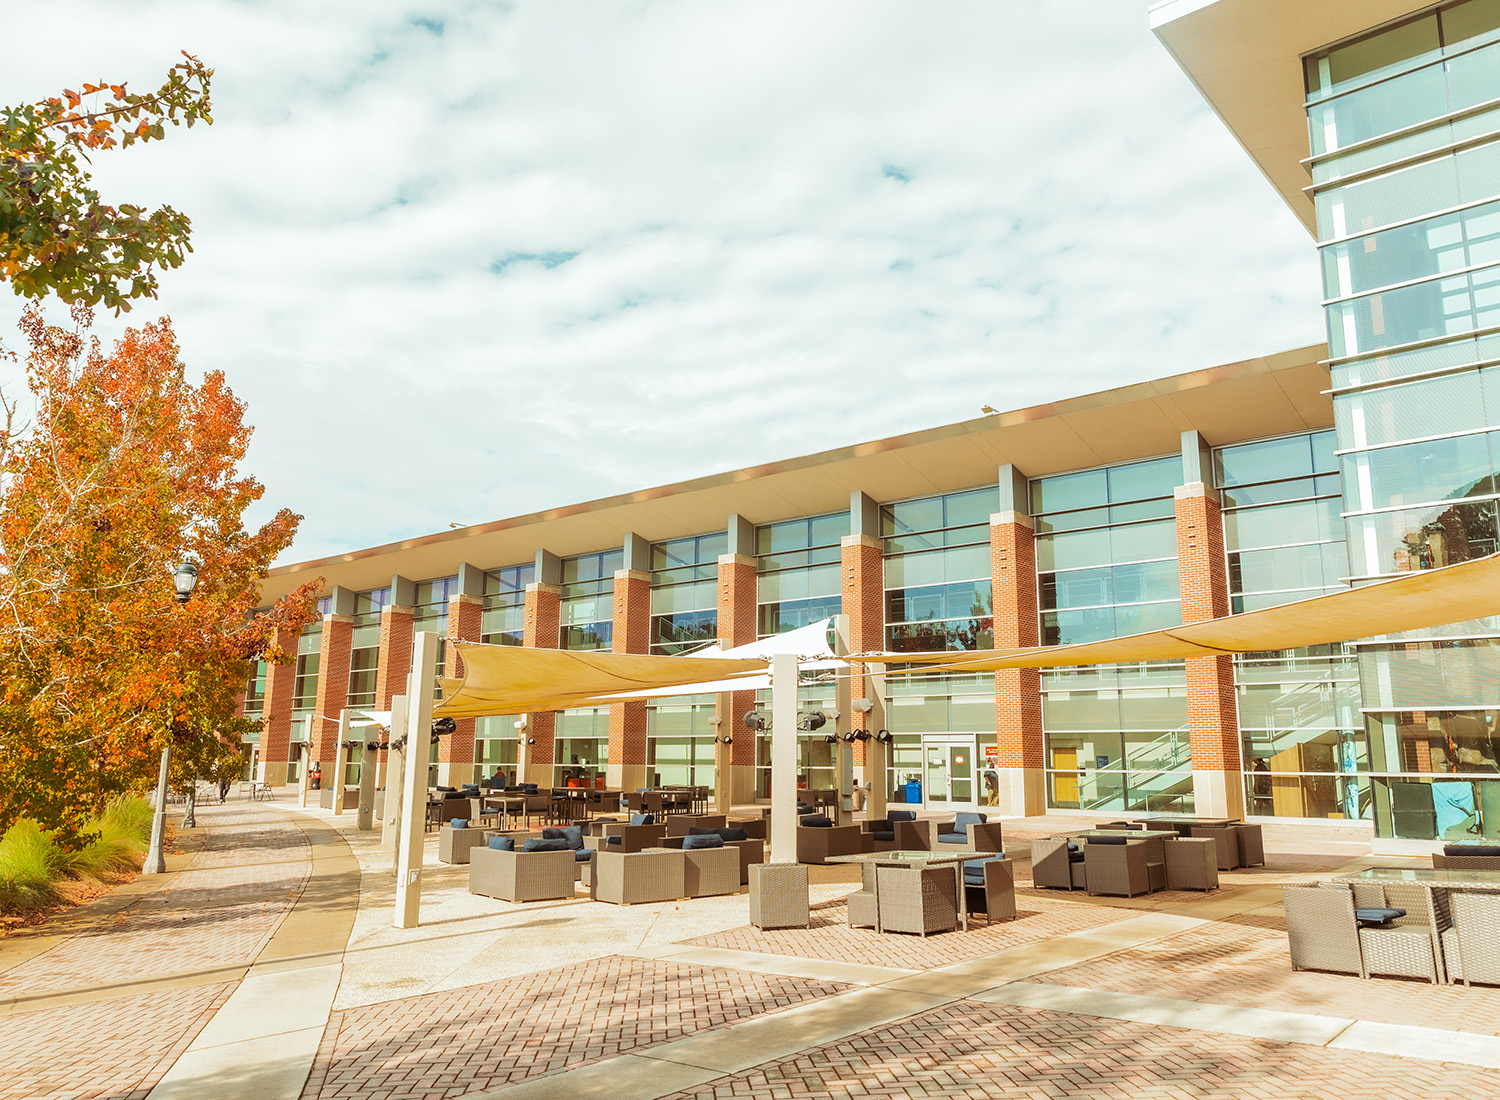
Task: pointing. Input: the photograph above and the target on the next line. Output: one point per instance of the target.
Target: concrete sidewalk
(265, 965)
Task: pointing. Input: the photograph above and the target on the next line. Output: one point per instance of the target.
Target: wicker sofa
(816, 843)
(1468, 857)
(968, 832)
(752, 850)
(521, 876)
(664, 874)
(1056, 865)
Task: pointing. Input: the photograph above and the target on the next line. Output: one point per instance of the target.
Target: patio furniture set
(1130, 858)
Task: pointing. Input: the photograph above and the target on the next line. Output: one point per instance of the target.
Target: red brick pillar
(627, 721)
(734, 763)
(1018, 693)
(333, 691)
(543, 618)
(862, 570)
(276, 718)
(1213, 719)
(391, 670)
(456, 750)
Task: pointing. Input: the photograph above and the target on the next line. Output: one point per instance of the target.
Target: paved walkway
(264, 964)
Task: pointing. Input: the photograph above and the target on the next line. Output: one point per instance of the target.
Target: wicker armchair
(1192, 862)
(521, 876)
(629, 878)
(710, 871)
(916, 899)
(815, 845)
(632, 838)
(454, 844)
(864, 909)
(1409, 946)
(1321, 929)
(752, 851)
(967, 832)
(1116, 868)
(1252, 849)
(1472, 945)
(900, 831)
(1052, 865)
(1228, 843)
(995, 894)
(681, 823)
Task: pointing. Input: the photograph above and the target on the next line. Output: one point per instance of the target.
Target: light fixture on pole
(184, 580)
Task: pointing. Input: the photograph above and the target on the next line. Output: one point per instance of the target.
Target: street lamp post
(184, 578)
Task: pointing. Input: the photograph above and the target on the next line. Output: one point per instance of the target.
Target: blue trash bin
(913, 792)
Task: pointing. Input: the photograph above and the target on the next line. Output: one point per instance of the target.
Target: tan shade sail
(1415, 601)
(502, 679)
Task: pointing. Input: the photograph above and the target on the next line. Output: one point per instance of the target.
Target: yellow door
(1064, 786)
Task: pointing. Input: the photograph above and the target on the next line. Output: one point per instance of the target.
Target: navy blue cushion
(730, 833)
(530, 788)
(1374, 918)
(503, 843)
(535, 845)
(459, 822)
(454, 794)
(447, 789)
(1471, 850)
(953, 838)
(703, 840)
(612, 840)
(901, 815)
(573, 835)
(816, 821)
(1121, 839)
(583, 855)
(642, 819)
(972, 865)
(804, 808)
(471, 786)
(962, 821)
(884, 834)
(701, 830)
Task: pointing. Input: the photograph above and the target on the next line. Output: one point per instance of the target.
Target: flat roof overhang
(1245, 58)
(1273, 395)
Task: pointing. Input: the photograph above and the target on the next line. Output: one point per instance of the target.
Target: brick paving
(117, 1048)
(1244, 960)
(487, 1036)
(971, 1051)
(238, 889)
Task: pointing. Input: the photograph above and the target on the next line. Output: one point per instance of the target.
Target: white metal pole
(340, 758)
(414, 785)
(156, 859)
(784, 758)
(843, 702)
(395, 787)
(304, 775)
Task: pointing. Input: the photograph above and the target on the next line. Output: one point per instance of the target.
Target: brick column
(734, 764)
(333, 691)
(543, 618)
(1213, 720)
(276, 718)
(391, 669)
(456, 751)
(1018, 692)
(627, 721)
(862, 571)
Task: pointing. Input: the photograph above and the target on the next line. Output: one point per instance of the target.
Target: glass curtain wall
(431, 615)
(1116, 737)
(305, 691)
(799, 579)
(497, 746)
(364, 663)
(582, 747)
(588, 589)
(503, 620)
(1405, 136)
(815, 753)
(685, 592)
(1298, 709)
(680, 741)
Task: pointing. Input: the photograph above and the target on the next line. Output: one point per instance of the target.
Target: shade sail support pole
(414, 782)
(784, 758)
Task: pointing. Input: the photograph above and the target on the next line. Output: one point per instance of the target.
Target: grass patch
(32, 863)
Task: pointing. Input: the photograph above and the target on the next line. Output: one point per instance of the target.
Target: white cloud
(557, 241)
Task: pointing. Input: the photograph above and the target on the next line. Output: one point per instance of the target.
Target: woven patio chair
(454, 844)
(521, 876)
(916, 899)
(968, 832)
(1252, 849)
(679, 824)
(1053, 863)
(708, 872)
(1228, 844)
(863, 907)
(1192, 863)
(630, 878)
(778, 895)
(994, 892)
(1118, 869)
(1321, 928)
(1475, 937)
(815, 845)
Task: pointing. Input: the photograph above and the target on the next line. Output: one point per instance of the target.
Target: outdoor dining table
(902, 858)
(511, 805)
(1182, 823)
(1433, 878)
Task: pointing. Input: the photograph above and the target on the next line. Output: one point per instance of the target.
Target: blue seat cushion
(703, 840)
(459, 822)
(533, 844)
(973, 866)
(572, 834)
(445, 790)
(583, 855)
(953, 838)
(1121, 839)
(1375, 918)
(804, 808)
(701, 830)
(729, 833)
(612, 840)
(1471, 850)
(503, 843)
(961, 822)
(642, 819)
(884, 834)
(901, 815)
(816, 821)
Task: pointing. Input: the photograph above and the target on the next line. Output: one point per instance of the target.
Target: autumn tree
(56, 235)
(128, 468)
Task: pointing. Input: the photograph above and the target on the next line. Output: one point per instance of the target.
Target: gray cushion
(1121, 839)
(535, 845)
(641, 819)
(701, 830)
(1471, 850)
(583, 855)
(703, 840)
(459, 822)
(612, 840)
(816, 821)
(730, 833)
(884, 834)
(503, 843)
(901, 815)
(1374, 918)
(804, 808)
(573, 835)
(953, 838)
(962, 821)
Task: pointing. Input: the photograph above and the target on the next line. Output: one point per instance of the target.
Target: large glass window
(582, 747)
(588, 600)
(305, 685)
(503, 621)
(432, 614)
(799, 581)
(685, 592)
(364, 652)
(680, 741)
(938, 572)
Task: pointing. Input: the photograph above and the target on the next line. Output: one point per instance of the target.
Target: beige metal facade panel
(1245, 58)
(1274, 395)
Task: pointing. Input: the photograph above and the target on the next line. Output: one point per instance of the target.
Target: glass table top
(905, 857)
(1433, 876)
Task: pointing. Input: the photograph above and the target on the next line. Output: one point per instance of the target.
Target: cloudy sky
(469, 260)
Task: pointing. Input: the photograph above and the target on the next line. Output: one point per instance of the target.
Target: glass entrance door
(949, 773)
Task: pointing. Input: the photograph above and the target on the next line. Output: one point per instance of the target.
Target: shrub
(30, 865)
(118, 838)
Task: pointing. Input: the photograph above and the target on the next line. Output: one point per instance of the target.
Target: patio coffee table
(917, 860)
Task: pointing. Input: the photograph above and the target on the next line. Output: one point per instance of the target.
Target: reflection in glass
(1426, 538)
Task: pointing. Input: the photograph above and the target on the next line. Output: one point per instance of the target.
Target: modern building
(1232, 488)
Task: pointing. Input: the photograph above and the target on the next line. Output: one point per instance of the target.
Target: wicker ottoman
(778, 895)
